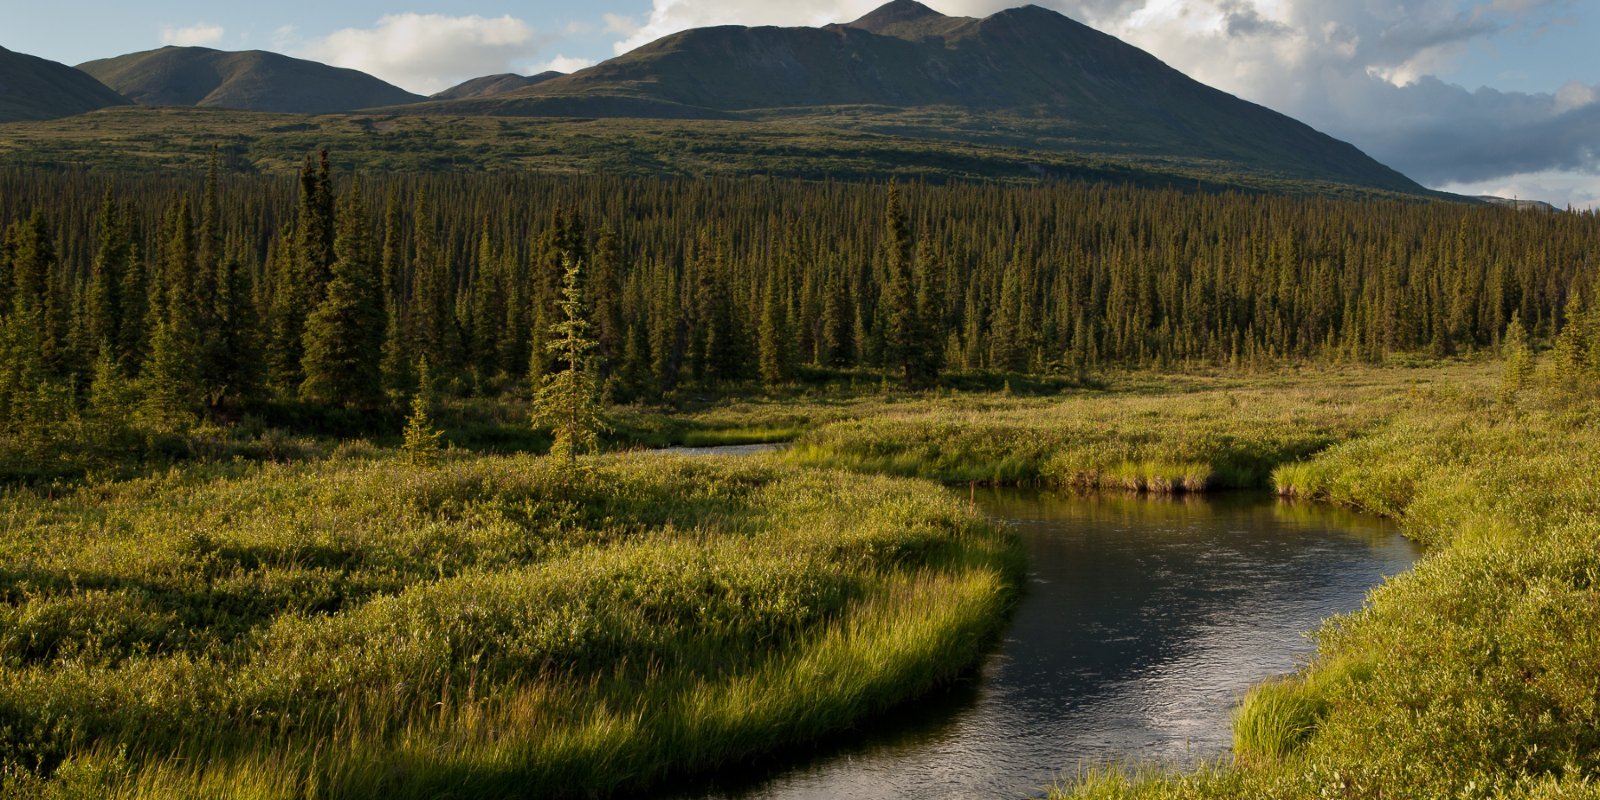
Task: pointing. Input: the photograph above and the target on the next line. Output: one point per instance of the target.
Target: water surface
(1143, 621)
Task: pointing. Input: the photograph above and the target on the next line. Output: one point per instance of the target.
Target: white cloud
(620, 25)
(671, 16)
(200, 34)
(567, 64)
(429, 52)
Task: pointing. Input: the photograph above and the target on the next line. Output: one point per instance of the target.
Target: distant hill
(252, 80)
(1025, 77)
(33, 88)
(1520, 205)
(490, 85)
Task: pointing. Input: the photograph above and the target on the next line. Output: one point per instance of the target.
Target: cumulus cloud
(567, 64)
(198, 35)
(671, 16)
(426, 53)
(1360, 70)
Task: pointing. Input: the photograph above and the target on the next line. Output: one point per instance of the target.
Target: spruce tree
(902, 332)
(774, 340)
(344, 337)
(1518, 362)
(173, 389)
(567, 401)
(422, 439)
(103, 302)
(928, 353)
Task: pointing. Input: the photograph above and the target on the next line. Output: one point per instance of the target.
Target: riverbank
(1475, 674)
(1169, 435)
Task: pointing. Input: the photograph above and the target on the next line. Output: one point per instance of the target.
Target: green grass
(1164, 435)
(499, 626)
(1276, 718)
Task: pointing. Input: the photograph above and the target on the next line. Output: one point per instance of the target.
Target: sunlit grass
(501, 626)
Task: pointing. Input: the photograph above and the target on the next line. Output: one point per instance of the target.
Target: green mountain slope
(490, 85)
(251, 80)
(1025, 77)
(33, 88)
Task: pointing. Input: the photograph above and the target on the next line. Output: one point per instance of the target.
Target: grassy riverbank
(1169, 434)
(491, 626)
(1474, 675)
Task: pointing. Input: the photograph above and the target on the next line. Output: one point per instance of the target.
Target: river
(1143, 621)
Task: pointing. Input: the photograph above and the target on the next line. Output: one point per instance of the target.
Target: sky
(1473, 96)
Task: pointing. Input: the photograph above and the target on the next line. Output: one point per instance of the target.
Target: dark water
(1143, 622)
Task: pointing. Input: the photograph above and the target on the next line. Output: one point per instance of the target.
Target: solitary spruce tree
(568, 399)
(422, 439)
(1518, 356)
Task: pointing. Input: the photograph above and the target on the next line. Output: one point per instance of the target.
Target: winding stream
(1143, 622)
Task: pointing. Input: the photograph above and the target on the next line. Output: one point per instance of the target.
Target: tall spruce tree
(775, 341)
(902, 335)
(928, 353)
(568, 400)
(344, 337)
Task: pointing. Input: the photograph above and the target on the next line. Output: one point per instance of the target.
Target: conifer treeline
(208, 293)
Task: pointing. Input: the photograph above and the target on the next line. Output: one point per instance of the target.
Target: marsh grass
(1171, 436)
(1276, 718)
(499, 626)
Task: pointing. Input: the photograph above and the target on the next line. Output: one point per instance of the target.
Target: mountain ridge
(250, 80)
(1026, 77)
(34, 88)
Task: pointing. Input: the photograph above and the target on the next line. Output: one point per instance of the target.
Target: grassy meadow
(494, 626)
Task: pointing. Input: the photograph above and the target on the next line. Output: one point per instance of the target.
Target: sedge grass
(500, 626)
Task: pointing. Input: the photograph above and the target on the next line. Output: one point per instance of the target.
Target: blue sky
(1481, 96)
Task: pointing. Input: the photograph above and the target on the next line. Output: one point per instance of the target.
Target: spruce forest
(203, 297)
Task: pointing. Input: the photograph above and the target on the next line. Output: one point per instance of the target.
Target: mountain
(1025, 77)
(34, 88)
(253, 80)
(490, 85)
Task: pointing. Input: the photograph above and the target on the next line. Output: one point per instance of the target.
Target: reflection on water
(723, 449)
(1143, 621)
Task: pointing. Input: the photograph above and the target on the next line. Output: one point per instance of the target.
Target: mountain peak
(896, 14)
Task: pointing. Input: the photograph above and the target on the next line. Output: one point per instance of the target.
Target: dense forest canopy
(192, 295)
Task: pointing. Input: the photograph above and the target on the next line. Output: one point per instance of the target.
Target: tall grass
(494, 626)
(1174, 436)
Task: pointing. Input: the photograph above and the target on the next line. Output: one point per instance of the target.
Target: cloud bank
(426, 53)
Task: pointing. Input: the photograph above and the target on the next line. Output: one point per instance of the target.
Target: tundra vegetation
(277, 523)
